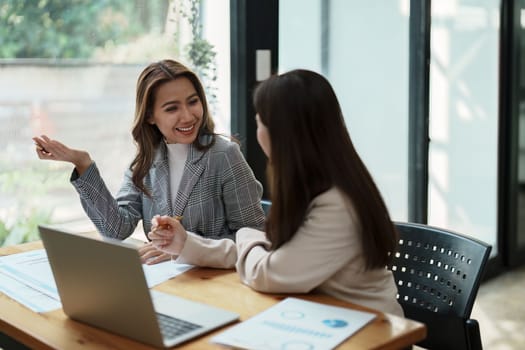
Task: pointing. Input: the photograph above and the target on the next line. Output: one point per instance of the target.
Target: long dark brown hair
(147, 136)
(311, 151)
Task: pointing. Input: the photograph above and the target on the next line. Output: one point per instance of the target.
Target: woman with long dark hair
(328, 228)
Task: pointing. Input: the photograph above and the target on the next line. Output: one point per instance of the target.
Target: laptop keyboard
(172, 327)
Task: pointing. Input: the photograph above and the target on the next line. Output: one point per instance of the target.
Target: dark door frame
(418, 110)
(511, 94)
(254, 26)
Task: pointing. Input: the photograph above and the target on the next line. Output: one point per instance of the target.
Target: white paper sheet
(27, 296)
(32, 269)
(158, 273)
(295, 324)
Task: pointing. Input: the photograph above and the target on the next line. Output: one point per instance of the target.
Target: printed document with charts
(296, 324)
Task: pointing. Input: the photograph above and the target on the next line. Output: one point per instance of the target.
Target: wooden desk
(222, 288)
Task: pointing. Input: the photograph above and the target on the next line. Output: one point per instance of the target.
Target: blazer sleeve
(241, 196)
(115, 218)
(326, 241)
(241, 193)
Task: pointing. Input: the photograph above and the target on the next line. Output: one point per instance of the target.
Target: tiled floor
(500, 311)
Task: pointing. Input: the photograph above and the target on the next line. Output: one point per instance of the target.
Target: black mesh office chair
(438, 273)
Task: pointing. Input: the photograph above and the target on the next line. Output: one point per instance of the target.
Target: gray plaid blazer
(218, 194)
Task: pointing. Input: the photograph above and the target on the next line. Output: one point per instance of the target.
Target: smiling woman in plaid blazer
(181, 169)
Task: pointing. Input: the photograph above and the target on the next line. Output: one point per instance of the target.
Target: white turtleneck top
(177, 154)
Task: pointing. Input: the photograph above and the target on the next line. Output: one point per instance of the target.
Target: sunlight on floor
(500, 310)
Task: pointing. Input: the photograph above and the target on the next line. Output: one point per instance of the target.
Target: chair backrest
(438, 273)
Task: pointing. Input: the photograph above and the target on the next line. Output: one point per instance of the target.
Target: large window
(464, 117)
(70, 73)
(362, 48)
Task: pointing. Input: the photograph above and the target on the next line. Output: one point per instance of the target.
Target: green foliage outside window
(201, 53)
(64, 28)
(20, 225)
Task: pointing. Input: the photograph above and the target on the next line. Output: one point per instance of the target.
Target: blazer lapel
(160, 181)
(195, 165)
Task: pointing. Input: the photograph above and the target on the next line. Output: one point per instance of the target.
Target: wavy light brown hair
(311, 151)
(147, 136)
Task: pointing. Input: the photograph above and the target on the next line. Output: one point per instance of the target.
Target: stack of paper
(27, 278)
(296, 324)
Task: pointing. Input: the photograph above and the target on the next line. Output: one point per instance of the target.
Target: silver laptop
(101, 282)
